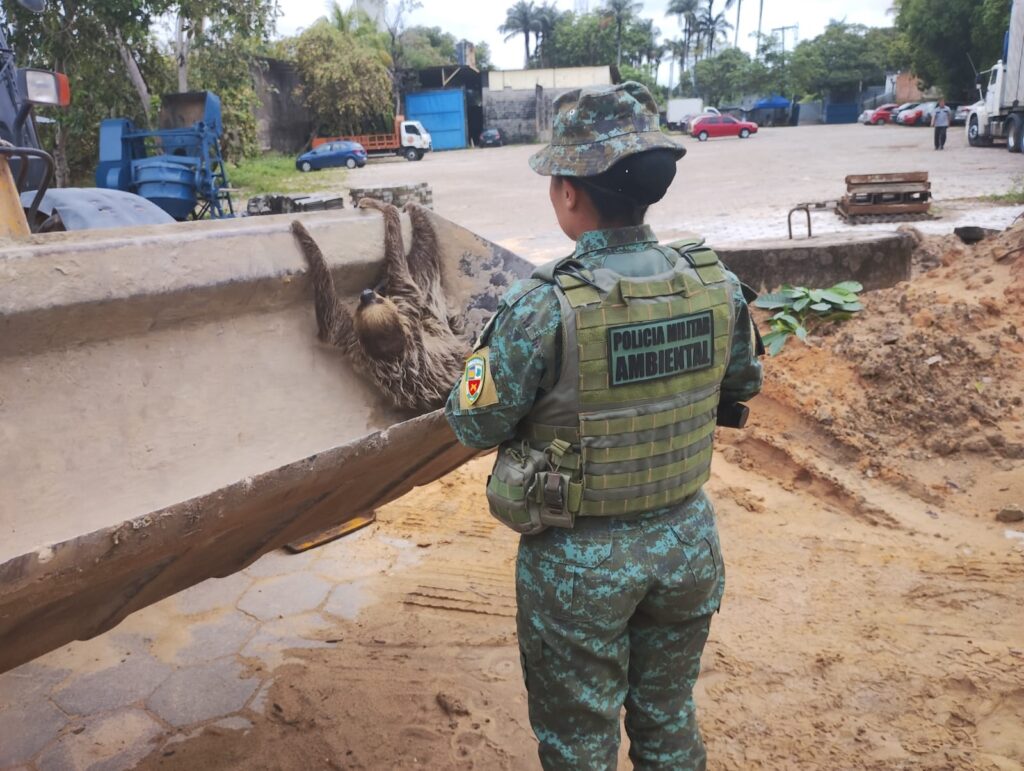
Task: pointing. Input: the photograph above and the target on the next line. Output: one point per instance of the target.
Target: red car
(708, 126)
(884, 114)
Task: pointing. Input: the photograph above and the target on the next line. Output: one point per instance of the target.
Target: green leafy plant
(799, 310)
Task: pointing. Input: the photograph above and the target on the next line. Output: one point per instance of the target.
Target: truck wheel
(974, 132)
(307, 166)
(350, 163)
(1013, 134)
(703, 136)
(411, 154)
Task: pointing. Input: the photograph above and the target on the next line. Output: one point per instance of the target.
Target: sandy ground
(874, 613)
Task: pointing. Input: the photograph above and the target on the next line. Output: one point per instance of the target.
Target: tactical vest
(628, 427)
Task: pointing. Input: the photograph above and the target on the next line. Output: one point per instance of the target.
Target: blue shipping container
(443, 113)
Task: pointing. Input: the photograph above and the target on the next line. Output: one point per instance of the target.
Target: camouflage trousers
(616, 613)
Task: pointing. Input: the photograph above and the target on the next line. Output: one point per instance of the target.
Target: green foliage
(800, 310)
(837, 62)
(520, 20)
(344, 84)
(723, 77)
(275, 173)
(483, 57)
(942, 34)
(427, 47)
(1015, 195)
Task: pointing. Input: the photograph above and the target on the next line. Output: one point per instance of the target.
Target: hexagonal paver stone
(204, 692)
(271, 642)
(347, 600)
(115, 741)
(221, 636)
(213, 593)
(29, 681)
(284, 596)
(26, 728)
(113, 687)
(280, 563)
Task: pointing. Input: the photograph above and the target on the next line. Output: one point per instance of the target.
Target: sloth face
(378, 325)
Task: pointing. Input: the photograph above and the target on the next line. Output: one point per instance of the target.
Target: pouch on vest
(528, 492)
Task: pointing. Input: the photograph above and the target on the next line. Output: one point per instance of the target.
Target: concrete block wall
(522, 115)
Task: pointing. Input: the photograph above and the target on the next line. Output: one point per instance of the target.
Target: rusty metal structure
(886, 197)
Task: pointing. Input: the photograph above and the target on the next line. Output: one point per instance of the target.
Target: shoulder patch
(476, 389)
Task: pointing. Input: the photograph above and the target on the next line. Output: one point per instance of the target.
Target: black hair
(624, 192)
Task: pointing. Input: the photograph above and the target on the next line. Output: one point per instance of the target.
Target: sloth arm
(398, 281)
(333, 321)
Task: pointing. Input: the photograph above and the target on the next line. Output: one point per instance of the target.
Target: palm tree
(760, 16)
(736, 39)
(545, 19)
(686, 11)
(620, 11)
(713, 25)
(520, 19)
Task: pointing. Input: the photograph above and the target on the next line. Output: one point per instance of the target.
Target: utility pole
(796, 31)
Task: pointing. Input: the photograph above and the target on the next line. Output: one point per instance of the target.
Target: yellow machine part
(12, 216)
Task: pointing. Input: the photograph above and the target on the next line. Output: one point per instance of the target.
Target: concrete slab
(280, 562)
(28, 682)
(223, 635)
(112, 742)
(346, 600)
(112, 688)
(26, 728)
(286, 595)
(272, 642)
(204, 692)
(212, 594)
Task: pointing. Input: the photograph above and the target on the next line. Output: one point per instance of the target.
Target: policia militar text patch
(657, 349)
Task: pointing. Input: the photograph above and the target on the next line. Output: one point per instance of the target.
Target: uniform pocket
(570, 572)
(698, 536)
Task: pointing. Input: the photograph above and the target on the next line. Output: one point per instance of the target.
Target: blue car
(348, 154)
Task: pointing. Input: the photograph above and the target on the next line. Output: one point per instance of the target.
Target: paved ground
(727, 189)
(202, 661)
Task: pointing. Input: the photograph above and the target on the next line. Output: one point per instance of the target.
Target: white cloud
(480, 20)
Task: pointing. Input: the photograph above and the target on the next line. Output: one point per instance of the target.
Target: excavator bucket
(167, 414)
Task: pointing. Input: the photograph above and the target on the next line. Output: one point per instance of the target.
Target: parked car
(491, 137)
(864, 116)
(341, 153)
(917, 116)
(689, 120)
(961, 113)
(905, 106)
(708, 126)
(882, 114)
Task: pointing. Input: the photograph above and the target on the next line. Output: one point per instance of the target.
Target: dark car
(341, 153)
(491, 137)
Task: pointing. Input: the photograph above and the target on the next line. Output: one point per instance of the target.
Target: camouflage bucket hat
(597, 126)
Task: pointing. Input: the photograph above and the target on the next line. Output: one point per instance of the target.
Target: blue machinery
(179, 166)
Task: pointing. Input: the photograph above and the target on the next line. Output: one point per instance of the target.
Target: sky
(478, 20)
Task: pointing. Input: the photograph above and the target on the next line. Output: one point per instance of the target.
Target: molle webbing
(642, 364)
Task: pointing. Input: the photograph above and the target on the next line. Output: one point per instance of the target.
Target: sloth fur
(401, 335)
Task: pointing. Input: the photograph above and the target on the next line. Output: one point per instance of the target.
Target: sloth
(401, 335)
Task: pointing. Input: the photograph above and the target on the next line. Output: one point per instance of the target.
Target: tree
(837, 63)
(713, 26)
(427, 47)
(620, 12)
(545, 20)
(483, 57)
(344, 84)
(112, 62)
(723, 77)
(944, 36)
(520, 20)
(686, 12)
(394, 24)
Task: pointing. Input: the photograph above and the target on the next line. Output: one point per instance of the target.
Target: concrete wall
(876, 260)
(282, 120)
(522, 115)
(564, 78)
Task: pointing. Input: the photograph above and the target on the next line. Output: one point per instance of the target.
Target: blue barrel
(169, 182)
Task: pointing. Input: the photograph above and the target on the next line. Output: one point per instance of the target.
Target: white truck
(679, 111)
(999, 116)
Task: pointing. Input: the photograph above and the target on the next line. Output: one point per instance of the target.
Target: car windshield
(907, 106)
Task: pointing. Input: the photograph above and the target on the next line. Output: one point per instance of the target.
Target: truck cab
(414, 135)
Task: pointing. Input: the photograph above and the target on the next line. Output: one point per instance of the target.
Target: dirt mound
(934, 365)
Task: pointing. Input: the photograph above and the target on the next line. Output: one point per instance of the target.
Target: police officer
(600, 379)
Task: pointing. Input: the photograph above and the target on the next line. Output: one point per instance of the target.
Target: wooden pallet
(885, 195)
